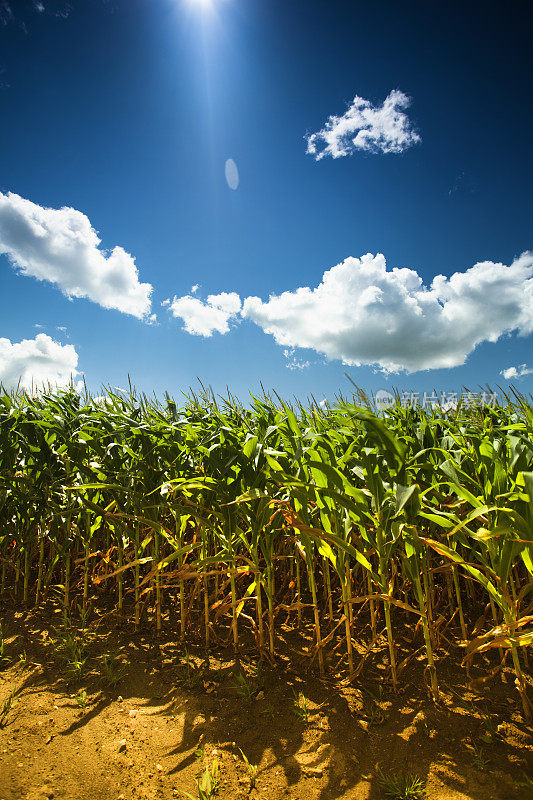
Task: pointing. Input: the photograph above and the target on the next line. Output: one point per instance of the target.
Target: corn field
(226, 522)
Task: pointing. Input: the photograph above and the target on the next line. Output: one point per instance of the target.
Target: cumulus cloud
(516, 372)
(205, 318)
(364, 314)
(364, 126)
(62, 247)
(34, 363)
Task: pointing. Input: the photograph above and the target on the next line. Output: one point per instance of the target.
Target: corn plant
(347, 525)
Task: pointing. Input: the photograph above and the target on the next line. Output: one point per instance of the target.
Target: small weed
(479, 760)
(189, 676)
(249, 687)
(245, 687)
(75, 668)
(4, 658)
(490, 730)
(208, 783)
(6, 707)
(84, 614)
(69, 644)
(527, 783)
(252, 771)
(402, 787)
(372, 712)
(82, 701)
(199, 753)
(300, 707)
(426, 729)
(259, 677)
(269, 711)
(72, 650)
(112, 672)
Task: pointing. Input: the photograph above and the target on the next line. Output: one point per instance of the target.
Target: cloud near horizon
(363, 314)
(34, 363)
(516, 372)
(61, 246)
(364, 126)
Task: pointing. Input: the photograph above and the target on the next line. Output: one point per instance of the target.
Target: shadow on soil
(296, 726)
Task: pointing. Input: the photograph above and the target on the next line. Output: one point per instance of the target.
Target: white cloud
(516, 372)
(364, 314)
(33, 363)
(293, 362)
(61, 246)
(19, 12)
(378, 129)
(205, 318)
(6, 13)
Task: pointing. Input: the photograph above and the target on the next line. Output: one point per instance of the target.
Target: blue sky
(127, 111)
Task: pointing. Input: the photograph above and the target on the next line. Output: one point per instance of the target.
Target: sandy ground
(150, 726)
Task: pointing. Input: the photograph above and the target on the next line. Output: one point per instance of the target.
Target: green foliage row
(405, 513)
